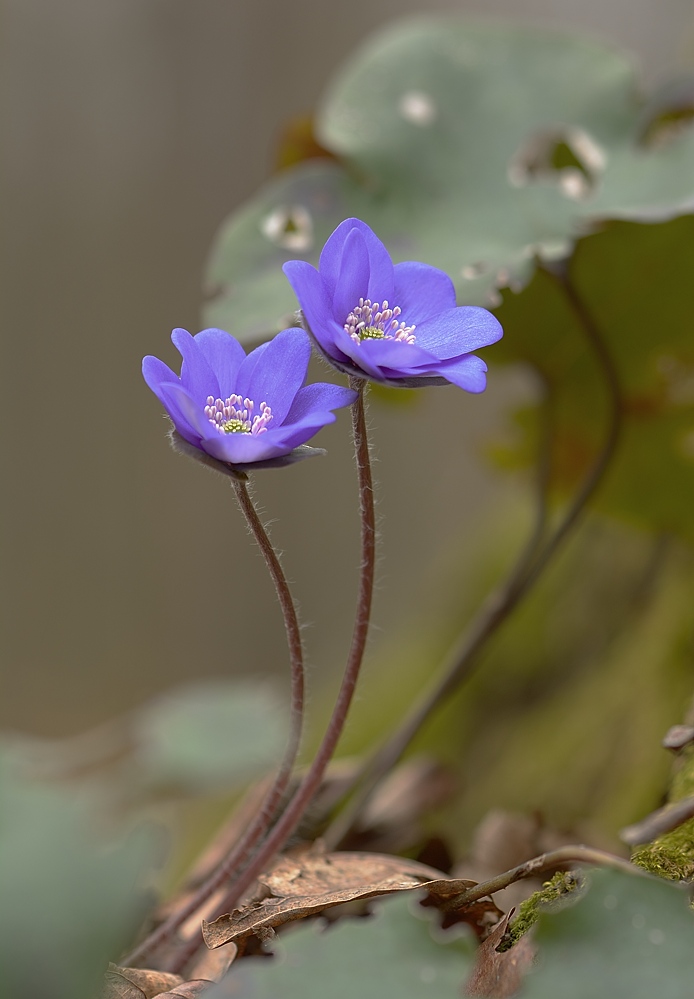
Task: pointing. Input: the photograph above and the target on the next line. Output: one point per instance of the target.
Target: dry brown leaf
(214, 964)
(335, 783)
(187, 990)
(308, 885)
(137, 983)
(313, 873)
(117, 987)
(500, 975)
(481, 916)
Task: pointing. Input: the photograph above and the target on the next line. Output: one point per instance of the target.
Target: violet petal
(224, 354)
(422, 291)
(319, 396)
(196, 374)
(458, 331)
(280, 373)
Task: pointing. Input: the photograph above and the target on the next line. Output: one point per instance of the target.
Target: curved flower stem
(291, 622)
(292, 815)
(535, 557)
(241, 850)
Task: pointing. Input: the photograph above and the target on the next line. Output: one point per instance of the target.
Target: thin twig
(265, 815)
(561, 857)
(535, 557)
(662, 821)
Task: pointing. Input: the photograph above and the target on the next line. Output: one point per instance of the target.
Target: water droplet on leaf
(418, 108)
(290, 228)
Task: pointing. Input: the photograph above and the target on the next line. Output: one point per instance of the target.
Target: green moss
(671, 856)
(551, 896)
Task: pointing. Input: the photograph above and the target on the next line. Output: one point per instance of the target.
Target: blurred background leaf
(627, 938)
(209, 736)
(570, 699)
(390, 954)
(635, 281)
(499, 144)
(206, 737)
(71, 888)
(179, 760)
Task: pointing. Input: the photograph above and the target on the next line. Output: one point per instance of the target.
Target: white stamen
(371, 320)
(237, 411)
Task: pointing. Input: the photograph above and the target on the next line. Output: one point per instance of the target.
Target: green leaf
(627, 938)
(70, 898)
(635, 281)
(389, 954)
(247, 292)
(209, 736)
(473, 147)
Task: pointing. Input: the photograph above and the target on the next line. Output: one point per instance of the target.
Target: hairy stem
(265, 815)
(291, 622)
(292, 815)
(536, 555)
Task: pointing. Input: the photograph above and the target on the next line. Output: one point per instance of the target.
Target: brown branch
(564, 856)
(664, 820)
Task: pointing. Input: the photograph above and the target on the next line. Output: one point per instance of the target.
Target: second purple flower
(393, 323)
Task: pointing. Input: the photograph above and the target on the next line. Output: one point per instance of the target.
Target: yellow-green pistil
(373, 321)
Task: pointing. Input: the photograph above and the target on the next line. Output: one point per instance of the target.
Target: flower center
(371, 321)
(235, 415)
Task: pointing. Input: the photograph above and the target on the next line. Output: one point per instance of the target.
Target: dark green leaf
(70, 901)
(391, 954)
(628, 938)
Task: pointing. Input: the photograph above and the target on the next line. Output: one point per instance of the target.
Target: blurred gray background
(131, 128)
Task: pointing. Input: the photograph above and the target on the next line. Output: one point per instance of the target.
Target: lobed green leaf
(475, 147)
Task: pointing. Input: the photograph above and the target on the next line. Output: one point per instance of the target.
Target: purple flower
(397, 324)
(243, 409)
